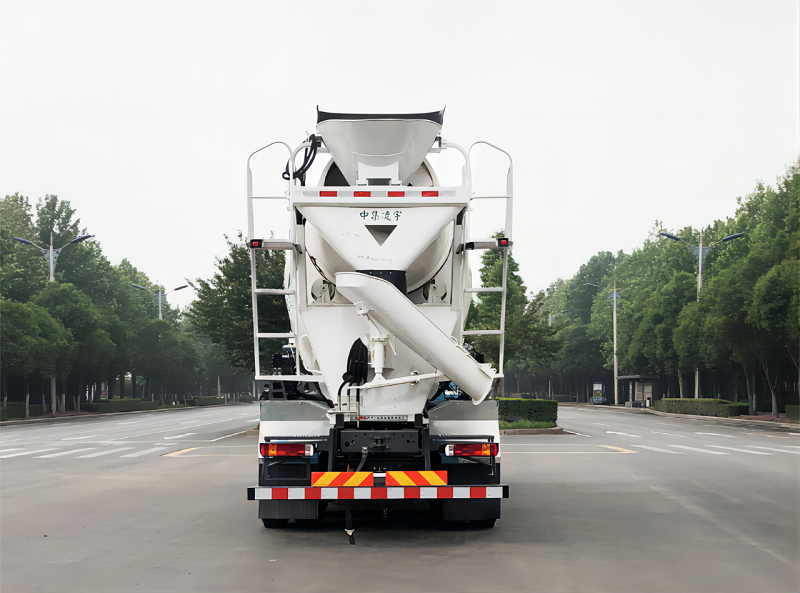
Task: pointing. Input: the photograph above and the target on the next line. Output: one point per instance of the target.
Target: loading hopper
(378, 149)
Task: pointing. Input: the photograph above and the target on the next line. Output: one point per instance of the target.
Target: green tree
(23, 269)
(223, 308)
(34, 345)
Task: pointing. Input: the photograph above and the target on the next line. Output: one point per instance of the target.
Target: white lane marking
(9, 450)
(228, 435)
(668, 424)
(84, 437)
(714, 434)
(769, 436)
(739, 450)
(180, 435)
(577, 433)
(145, 452)
(700, 450)
(101, 453)
(599, 424)
(27, 453)
(129, 422)
(659, 450)
(60, 453)
(131, 436)
(773, 449)
(625, 434)
(669, 434)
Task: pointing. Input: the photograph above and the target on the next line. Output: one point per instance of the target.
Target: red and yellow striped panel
(411, 478)
(337, 479)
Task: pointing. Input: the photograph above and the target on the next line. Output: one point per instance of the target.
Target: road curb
(102, 415)
(789, 425)
(512, 431)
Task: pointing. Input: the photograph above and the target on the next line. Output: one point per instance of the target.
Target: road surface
(629, 501)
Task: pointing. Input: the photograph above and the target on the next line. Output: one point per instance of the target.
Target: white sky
(617, 114)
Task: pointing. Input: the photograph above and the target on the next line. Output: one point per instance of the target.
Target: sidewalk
(72, 415)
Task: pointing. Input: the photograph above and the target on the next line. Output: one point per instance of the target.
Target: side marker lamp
(256, 243)
(472, 450)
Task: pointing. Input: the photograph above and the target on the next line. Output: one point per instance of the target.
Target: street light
(160, 293)
(614, 297)
(51, 255)
(700, 253)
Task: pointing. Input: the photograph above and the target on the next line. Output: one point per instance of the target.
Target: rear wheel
(274, 523)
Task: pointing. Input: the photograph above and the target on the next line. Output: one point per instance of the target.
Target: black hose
(308, 159)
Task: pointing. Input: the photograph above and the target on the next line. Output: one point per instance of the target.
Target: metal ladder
(479, 244)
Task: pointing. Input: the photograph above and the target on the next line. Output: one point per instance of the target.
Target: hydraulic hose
(308, 159)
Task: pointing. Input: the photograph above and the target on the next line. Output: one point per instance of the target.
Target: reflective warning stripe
(336, 479)
(413, 478)
(376, 492)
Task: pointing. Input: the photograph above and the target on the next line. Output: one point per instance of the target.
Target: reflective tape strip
(335, 479)
(376, 492)
(413, 478)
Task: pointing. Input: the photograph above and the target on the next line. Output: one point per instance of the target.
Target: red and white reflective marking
(376, 492)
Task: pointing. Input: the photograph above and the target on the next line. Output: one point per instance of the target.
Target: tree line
(89, 328)
(740, 330)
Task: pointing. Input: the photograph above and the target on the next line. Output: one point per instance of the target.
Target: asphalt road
(156, 501)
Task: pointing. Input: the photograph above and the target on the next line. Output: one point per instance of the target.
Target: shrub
(120, 405)
(535, 410)
(526, 424)
(701, 407)
(16, 410)
(793, 412)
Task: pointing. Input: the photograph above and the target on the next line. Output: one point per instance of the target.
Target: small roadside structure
(639, 391)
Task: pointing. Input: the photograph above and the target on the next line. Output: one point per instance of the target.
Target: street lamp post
(700, 253)
(51, 255)
(614, 297)
(160, 293)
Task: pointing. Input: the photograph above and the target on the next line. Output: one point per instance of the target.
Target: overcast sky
(617, 114)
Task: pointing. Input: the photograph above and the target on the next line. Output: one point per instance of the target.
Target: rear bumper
(378, 492)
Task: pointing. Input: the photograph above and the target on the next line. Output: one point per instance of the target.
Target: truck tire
(274, 523)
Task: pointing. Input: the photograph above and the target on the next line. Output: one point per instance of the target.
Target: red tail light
(472, 450)
(286, 450)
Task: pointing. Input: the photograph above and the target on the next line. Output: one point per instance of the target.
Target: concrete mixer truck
(375, 401)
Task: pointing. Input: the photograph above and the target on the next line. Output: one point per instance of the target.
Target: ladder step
(273, 291)
(482, 332)
(485, 289)
(275, 336)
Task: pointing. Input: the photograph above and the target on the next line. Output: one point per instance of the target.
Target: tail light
(472, 450)
(286, 450)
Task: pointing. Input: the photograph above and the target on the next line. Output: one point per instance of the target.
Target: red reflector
(327, 194)
(362, 194)
(472, 450)
(286, 450)
(256, 243)
(430, 194)
(396, 194)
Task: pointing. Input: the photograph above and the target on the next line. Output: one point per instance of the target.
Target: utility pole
(616, 368)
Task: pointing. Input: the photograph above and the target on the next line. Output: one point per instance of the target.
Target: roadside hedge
(16, 410)
(120, 405)
(206, 401)
(701, 407)
(793, 412)
(535, 410)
